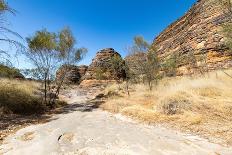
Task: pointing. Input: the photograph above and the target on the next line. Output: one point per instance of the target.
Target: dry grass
(19, 96)
(200, 104)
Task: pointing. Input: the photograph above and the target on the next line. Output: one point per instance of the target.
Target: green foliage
(5, 7)
(8, 72)
(69, 55)
(140, 45)
(100, 73)
(170, 66)
(66, 41)
(227, 30)
(42, 41)
(144, 61)
(45, 55)
(151, 67)
(48, 51)
(66, 46)
(117, 66)
(80, 53)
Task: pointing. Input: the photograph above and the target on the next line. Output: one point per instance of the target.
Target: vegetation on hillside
(9, 72)
(227, 29)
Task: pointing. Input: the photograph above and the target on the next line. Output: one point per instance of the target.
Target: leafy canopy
(140, 45)
(42, 41)
(227, 29)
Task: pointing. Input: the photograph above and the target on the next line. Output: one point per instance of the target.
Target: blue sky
(97, 24)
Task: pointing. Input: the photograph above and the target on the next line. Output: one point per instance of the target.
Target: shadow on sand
(11, 123)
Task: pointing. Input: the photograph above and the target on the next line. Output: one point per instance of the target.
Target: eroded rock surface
(73, 74)
(100, 67)
(197, 38)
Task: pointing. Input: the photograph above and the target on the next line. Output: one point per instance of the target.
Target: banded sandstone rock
(197, 38)
(100, 68)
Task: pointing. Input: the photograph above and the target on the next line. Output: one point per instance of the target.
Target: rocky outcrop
(72, 74)
(100, 68)
(197, 38)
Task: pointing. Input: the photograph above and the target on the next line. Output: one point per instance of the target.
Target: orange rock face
(197, 37)
(99, 69)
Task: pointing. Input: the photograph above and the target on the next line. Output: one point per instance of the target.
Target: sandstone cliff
(197, 38)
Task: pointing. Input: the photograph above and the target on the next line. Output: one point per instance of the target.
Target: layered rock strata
(196, 39)
(101, 69)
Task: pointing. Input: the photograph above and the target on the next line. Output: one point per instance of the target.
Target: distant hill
(9, 72)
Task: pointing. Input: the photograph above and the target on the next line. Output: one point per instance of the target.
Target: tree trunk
(60, 84)
(127, 88)
(45, 88)
(150, 85)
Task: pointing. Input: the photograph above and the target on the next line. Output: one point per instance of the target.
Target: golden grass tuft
(201, 104)
(19, 96)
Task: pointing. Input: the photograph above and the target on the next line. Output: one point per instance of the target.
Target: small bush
(112, 90)
(173, 105)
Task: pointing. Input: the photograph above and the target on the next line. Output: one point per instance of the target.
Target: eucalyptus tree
(137, 56)
(48, 51)
(151, 68)
(44, 55)
(144, 61)
(69, 54)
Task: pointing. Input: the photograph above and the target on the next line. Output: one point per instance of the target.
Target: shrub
(174, 104)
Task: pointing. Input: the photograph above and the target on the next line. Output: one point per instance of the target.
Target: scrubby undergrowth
(201, 104)
(21, 97)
